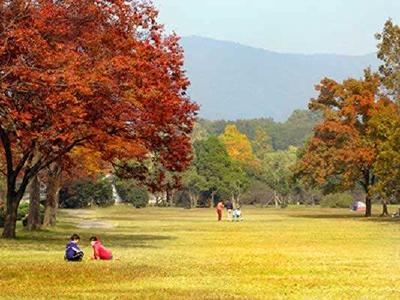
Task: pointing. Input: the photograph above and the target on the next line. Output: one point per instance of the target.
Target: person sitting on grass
(72, 250)
(99, 251)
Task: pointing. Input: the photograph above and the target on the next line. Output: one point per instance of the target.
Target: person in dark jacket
(72, 250)
(229, 208)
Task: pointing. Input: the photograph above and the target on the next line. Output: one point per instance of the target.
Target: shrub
(22, 213)
(24, 218)
(338, 200)
(23, 210)
(85, 192)
(130, 192)
(102, 193)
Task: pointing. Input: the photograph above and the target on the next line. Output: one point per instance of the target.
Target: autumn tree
(81, 162)
(74, 72)
(238, 146)
(342, 153)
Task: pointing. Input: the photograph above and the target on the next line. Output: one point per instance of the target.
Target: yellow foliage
(89, 161)
(238, 145)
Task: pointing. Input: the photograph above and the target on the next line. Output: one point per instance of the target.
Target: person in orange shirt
(220, 208)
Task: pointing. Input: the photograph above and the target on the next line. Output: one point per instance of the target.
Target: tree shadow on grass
(52, 241)
(326, 216)
(382, 219)
(134, 240)
(377, 219)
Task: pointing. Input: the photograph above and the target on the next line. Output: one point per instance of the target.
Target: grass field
(306, 253)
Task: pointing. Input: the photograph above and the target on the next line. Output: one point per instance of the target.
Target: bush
(23, 210)
(24, 218)
(130, 192)
(102, 193)
(338, 200)
(85, 192)
(22, 213)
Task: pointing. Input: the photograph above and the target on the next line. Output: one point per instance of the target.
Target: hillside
(233, 81)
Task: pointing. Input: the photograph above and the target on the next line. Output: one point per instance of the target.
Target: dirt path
(86, 219)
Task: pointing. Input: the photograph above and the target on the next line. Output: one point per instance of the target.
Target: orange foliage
(71, 75)
(100, 72)
(343, 151)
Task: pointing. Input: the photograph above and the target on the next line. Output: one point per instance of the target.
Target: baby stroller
(237, 215)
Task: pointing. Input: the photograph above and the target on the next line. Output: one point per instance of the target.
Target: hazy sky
(300, 26)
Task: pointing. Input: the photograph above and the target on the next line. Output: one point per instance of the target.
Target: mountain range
(233, 81)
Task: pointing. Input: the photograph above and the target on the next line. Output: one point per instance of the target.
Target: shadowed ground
(297, 253)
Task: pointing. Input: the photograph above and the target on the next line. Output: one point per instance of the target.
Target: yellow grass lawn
(295, 253)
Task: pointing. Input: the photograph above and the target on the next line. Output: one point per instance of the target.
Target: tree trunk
(169, 197)
(10, 221)
(385, 211)
(53, 187)
(276, 199)
(213, 193)
(193, 200)
(34, 221)
(368, 203)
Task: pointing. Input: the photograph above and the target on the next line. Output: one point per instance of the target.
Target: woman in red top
(99, 251)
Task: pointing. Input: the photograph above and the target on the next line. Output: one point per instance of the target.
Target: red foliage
(100, 73)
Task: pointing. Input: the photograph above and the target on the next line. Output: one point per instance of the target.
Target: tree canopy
(101, 73)
(342, 152)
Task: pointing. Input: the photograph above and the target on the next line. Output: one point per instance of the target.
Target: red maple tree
(100, 73)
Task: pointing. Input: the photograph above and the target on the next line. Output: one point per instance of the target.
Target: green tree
(237, 182)
(389, 53)
(384, 127)
(131, 192)
(194, 184)
(277, 172)
(218, 170)
(261, 143)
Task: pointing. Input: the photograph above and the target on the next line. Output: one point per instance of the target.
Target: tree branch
(27, 156)
(7, 150)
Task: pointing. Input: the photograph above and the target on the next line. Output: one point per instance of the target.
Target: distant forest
(280, 135)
